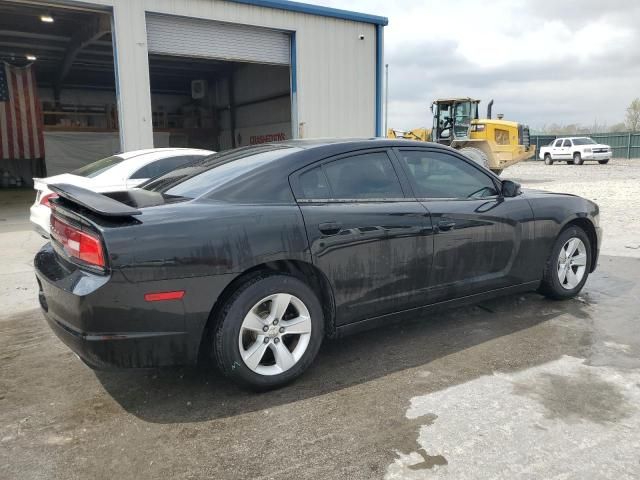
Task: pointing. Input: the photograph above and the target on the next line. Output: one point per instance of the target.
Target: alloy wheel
(275, 334)
(572, 263)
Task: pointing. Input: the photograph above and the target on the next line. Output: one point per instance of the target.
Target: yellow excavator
(494, 143)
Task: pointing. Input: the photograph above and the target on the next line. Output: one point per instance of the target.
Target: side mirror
(510, 188)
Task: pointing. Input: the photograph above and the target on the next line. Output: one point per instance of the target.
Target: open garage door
(219, 85)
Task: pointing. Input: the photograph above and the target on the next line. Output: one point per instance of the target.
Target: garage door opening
(218, 105)
(59, 98)
(219, 85)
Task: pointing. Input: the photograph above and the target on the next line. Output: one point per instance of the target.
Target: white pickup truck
(575, 150)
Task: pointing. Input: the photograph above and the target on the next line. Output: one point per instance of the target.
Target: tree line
(631, 124)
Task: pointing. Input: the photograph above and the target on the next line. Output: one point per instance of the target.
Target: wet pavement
(517, 387)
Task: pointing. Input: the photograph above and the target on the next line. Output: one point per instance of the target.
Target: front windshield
(96, 168)
(213, 172)
(462, 115)
(583, 141)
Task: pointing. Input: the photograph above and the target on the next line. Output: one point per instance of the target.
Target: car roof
(355, 143)
(297, 154)
(166, 150)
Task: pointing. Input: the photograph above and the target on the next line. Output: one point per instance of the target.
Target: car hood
(534, 192)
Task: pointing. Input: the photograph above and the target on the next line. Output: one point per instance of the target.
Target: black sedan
(252, 256)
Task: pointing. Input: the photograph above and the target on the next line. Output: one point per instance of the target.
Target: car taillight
(78, 244)
(46, 199)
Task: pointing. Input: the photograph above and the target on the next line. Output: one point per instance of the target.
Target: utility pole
(386, 98)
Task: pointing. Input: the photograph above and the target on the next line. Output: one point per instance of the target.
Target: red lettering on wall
(271, 137)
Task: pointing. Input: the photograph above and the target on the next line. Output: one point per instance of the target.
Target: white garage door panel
(228, 41)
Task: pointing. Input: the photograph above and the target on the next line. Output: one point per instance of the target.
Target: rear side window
(162, 166)
(567, 143)
(96, 168)
(314, 184)
(370, 175)
(440, 175)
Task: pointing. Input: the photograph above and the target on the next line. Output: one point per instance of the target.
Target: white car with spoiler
(575, 150)
(123, 171)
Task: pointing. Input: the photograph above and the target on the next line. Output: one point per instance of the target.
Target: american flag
(20, 114)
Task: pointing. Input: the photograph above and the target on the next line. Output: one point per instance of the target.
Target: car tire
(548, 160)
(577, 159)
(476, 155)
(557, 282)
(256, 305)
(603, 162)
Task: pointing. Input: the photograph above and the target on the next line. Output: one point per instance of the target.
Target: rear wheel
(603, 162)
(577, 159)
(269, 331)
(547, 159)
(568, 266)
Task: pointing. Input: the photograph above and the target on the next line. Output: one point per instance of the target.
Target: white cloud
(542, 61)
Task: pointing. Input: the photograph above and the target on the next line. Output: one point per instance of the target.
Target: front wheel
(548, 160)
(577, 159)
(568, 266)
(269, 331)
(603, 162)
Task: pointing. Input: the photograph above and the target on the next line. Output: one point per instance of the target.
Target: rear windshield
(583, 141)
(96, 168)
(226, 173)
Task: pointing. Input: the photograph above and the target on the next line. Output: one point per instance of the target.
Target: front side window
(370, 175)
(440, 175)
(558, 143)
(567, 143)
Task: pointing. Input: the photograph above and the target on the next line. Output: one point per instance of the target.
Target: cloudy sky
(542, 61)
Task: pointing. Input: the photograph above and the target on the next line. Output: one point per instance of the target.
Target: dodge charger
(249, 258)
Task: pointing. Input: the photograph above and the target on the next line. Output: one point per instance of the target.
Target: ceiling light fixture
(46, 18)
(32, 58)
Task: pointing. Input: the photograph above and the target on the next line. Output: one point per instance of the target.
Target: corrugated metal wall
(336, 71)
(624, 145)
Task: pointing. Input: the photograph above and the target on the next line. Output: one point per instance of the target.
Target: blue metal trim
(294, 86)
(317, 10)
(379, 76)
(294, 64)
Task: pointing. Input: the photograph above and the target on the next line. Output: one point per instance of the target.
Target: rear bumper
(105, 320)
(39, 216)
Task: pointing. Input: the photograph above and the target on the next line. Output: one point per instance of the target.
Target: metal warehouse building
(108, 75)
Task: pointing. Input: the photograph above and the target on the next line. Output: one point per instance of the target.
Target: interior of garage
(218, 104)
(201, 96)
(69, 53)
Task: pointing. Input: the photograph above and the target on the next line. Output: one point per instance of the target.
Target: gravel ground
(615, 187)
(518, 387)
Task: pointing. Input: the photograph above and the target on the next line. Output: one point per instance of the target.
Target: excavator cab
(452, 119)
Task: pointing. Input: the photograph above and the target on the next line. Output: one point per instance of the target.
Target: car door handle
(330, 228)
(445, 225)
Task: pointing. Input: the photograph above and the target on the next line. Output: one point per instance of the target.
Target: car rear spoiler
(96, 202)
